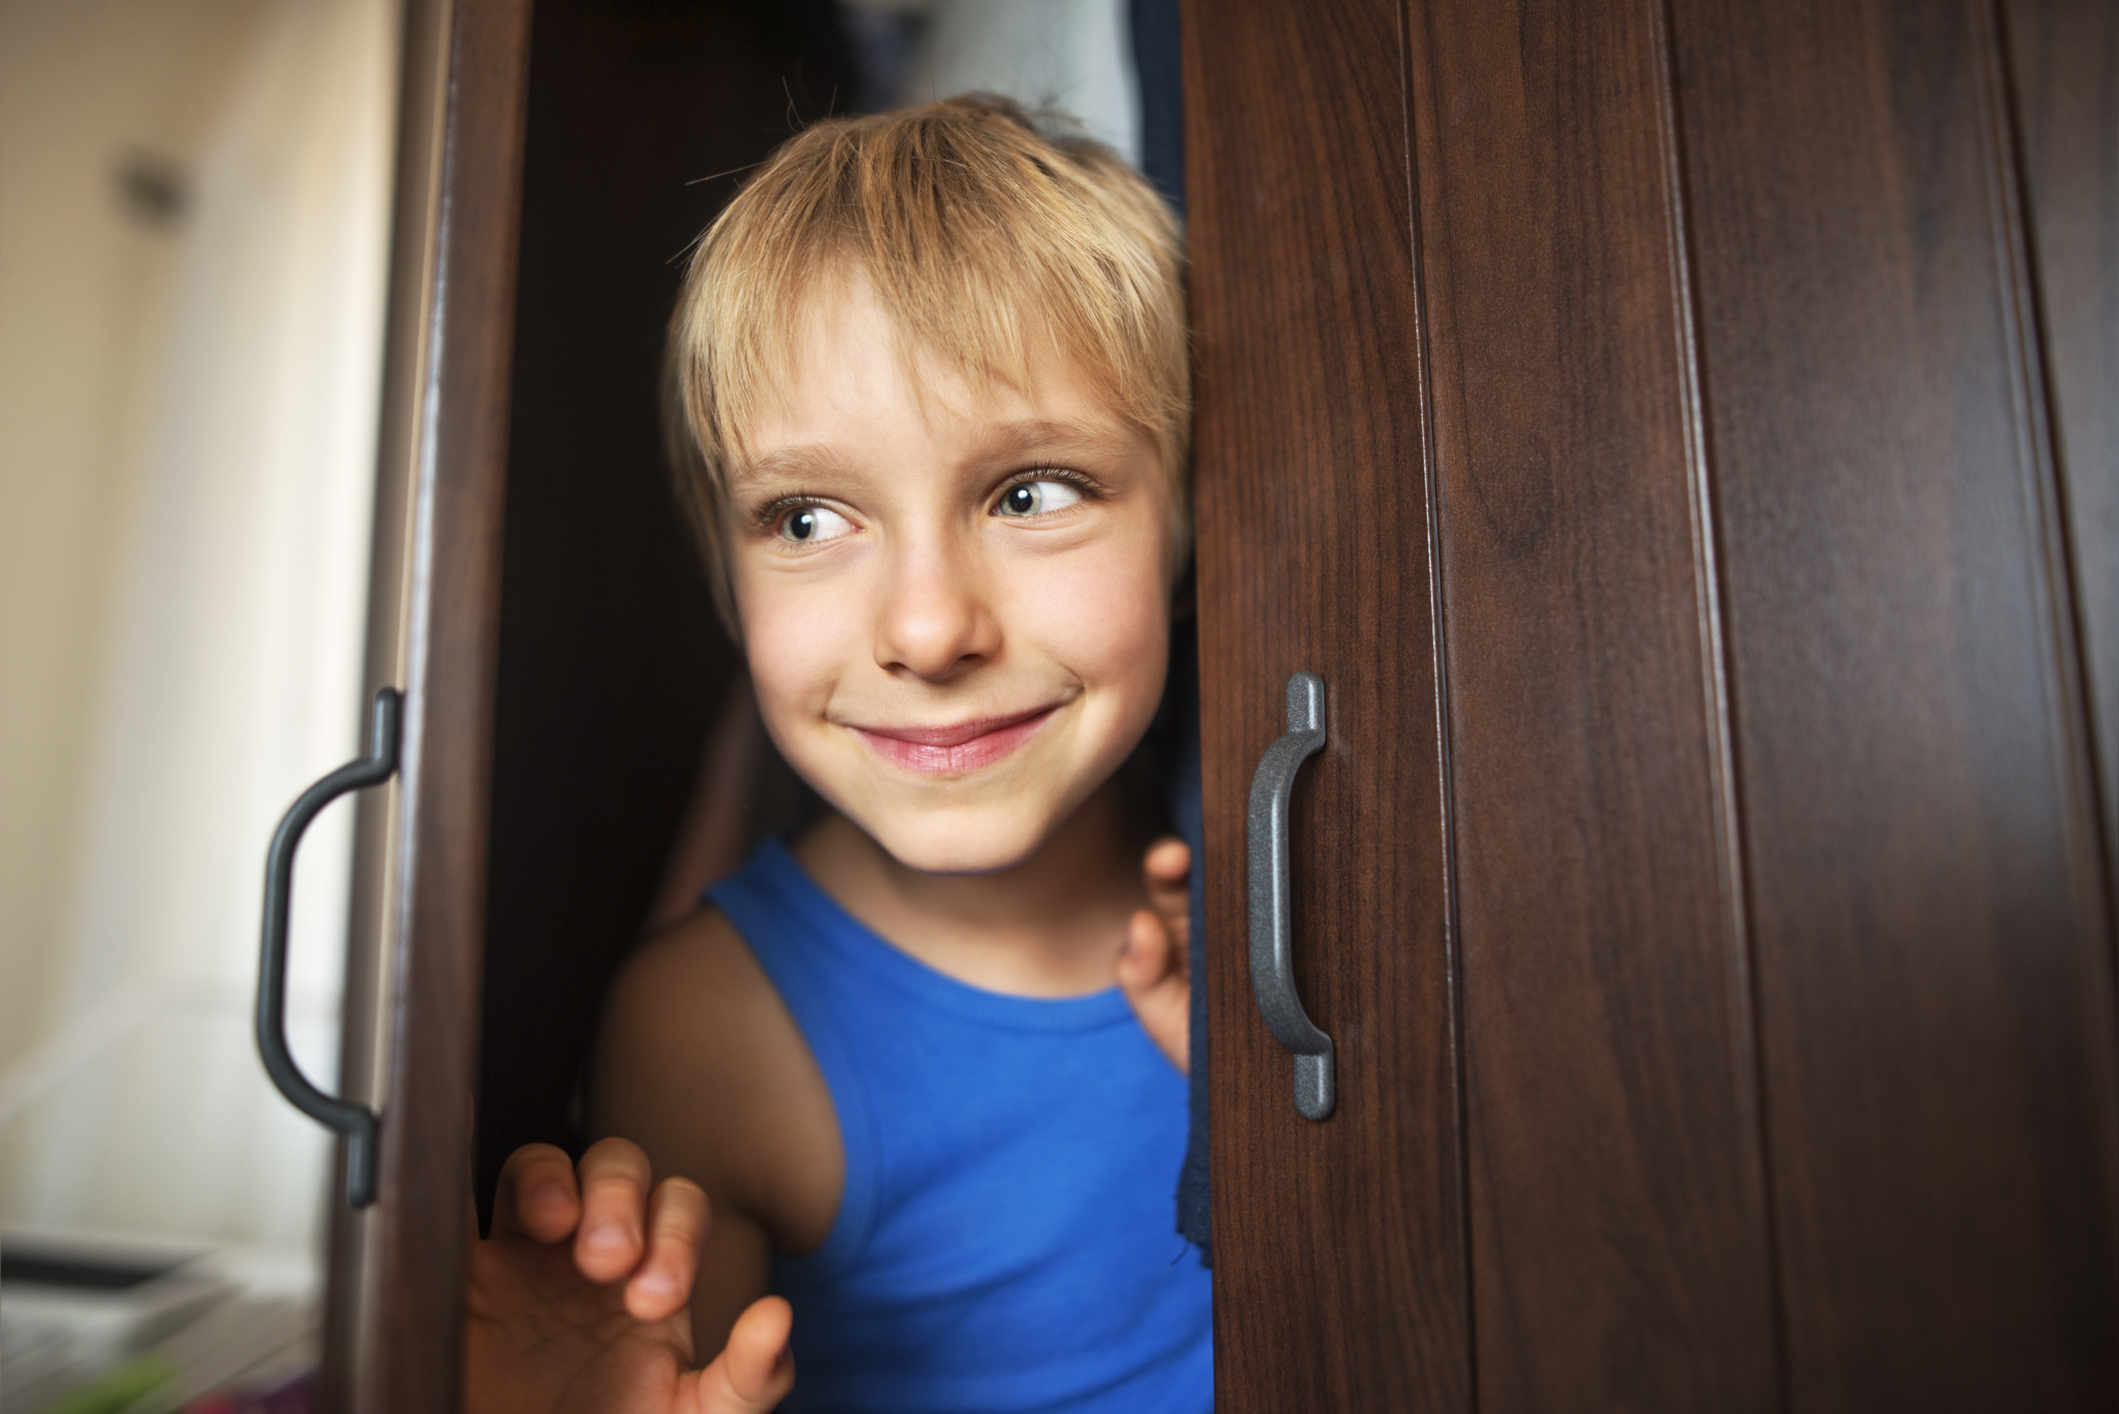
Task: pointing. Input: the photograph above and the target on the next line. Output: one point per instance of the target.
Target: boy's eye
(806, 525)
(1031, 498)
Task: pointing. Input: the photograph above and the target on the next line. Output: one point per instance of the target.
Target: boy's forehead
(850, 369)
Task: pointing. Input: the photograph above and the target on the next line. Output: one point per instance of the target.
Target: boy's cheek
(797, 644)
(1104, 617)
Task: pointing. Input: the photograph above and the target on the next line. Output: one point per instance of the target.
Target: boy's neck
(1051, 926)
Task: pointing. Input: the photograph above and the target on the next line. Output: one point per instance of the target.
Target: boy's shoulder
(700, 1062)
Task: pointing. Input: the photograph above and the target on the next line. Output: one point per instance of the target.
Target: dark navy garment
(1003, 1242)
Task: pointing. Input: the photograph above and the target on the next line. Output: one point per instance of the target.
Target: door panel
(1750, 361)
(1618, 1212)
(1931, 952)
(396, 1287)
(1339, 1270)
(2064, 94)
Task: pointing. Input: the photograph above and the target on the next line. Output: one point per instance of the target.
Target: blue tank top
(1004, 1241)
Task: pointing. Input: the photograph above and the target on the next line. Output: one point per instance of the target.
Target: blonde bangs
(979, 231)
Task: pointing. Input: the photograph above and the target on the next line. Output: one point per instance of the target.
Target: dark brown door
(1678, 434)
(411, 1030)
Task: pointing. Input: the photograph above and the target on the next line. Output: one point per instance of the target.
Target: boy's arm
(699, 1063)
(606, 1286)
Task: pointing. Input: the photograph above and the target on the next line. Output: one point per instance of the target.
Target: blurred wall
(193, 211)
(85, 276)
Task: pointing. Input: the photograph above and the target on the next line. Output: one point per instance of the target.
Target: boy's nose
(935, 622)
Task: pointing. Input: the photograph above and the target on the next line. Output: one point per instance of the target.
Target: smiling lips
(939, 751)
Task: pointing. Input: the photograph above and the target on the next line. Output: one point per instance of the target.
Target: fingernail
(545, 1194)
(605, 1236)
(656, 1283)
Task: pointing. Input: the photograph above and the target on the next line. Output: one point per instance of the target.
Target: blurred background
(194, 211)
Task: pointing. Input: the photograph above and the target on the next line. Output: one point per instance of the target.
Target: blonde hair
(977, 228)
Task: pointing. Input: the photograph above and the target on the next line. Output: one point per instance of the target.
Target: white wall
(83, 303)
(185, 493)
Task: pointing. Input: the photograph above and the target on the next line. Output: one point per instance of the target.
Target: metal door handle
(1272, 927)
(356, 1122)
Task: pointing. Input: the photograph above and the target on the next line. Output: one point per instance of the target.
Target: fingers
(1149, 957)
(756, 1369)
(1167, 864)
(621, 1230)
(1167, 858)
(1166, 869)
(678, 1219)
(614, 1190)
(536, 1198)
(1152, 969)
(1149, 975)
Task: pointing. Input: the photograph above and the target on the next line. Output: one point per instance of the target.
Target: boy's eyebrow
(1019, 439)
(1006, 443)
(792, 463)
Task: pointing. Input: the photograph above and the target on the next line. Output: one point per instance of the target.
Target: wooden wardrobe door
(1927, 897)
(1671, 430)
(1339, 1247)
(2062, 88)
(1619, 1242)
(392, 1334)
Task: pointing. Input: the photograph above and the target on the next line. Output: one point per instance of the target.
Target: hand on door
(579, 1303)
(1152, 969)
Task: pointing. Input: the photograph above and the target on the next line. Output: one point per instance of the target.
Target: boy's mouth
(963, 746)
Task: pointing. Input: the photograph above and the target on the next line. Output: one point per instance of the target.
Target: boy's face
(956, 606)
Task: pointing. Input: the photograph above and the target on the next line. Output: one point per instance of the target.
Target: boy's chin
(958, 842)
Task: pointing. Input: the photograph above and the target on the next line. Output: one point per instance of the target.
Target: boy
(934, 377)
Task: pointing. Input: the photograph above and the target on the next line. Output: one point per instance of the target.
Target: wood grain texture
(1621, 1256)
(1931, 963)
(449, 685)
(2064, 91)
(398, 1268)
(371, 933)
(1339, 1268)
(349, 1336)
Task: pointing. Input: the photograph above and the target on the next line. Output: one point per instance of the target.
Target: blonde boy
(933, 373)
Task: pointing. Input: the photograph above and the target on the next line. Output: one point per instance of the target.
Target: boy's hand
(601, 1322)
(1153, 968)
